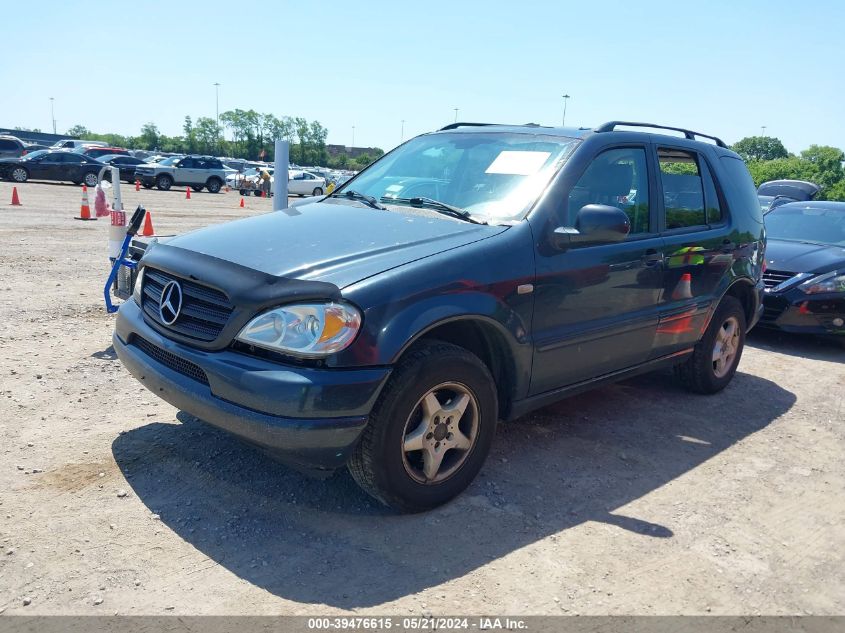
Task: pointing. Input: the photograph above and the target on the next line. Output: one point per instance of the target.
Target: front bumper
(309, 418)
(794, 311)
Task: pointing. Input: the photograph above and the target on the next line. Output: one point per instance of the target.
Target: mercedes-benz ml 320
(465, 278)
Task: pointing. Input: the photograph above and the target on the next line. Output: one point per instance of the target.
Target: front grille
(174, 362)
(772, 278)
(205, 311)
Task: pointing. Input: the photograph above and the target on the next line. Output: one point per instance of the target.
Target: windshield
(802, 223)
(493, 176)
(35, 154)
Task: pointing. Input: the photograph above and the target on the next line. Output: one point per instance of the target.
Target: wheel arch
(486, 339)
(743, 290)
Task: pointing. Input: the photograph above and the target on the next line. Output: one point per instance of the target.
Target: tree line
(251, 134)
(767, 159)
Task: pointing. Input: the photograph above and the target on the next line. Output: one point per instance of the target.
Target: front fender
(477, 282)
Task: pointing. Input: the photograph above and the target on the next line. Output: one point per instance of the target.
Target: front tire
(213, 185)
(19, 174)
(713, 363)
(430, 430)
(164, 182)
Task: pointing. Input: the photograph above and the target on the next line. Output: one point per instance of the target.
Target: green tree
(190, 135)
(149, 138)
(825, 164)
(78, 130)
(760, 148)
(206, 133)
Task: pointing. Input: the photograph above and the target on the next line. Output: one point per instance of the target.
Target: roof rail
(457, 124)
(611, 125)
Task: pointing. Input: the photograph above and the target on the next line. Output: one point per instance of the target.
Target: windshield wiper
(357, 195)
(435, 205)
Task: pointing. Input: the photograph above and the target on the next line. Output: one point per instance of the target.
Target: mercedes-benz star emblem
(170, 303)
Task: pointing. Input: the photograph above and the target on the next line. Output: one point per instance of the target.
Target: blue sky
(718, 67)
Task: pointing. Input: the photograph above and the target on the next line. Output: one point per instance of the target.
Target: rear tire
(430, 430)
(713, 363)
(164, 182)
(91, 180)
(317, 192)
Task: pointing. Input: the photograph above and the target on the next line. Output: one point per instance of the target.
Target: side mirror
(594, 224)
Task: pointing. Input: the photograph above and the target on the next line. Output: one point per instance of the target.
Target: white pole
(280, 175)
(117, 203)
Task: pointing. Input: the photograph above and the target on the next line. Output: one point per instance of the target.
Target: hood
(335, 242)
(803, 257)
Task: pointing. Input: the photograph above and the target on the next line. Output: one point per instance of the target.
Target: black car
(126, 164)
(805, 274)
(469, 276)
(52, 165)
(774, 193)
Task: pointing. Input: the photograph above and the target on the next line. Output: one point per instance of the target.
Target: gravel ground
(633, 499)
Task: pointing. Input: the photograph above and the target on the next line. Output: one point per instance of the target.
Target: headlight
(833, 281)
(310, 330)
(136, 289)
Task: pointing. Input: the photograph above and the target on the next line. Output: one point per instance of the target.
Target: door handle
(653, 257)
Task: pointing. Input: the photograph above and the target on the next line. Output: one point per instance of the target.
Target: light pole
(353, 138)
(402, 134)
(217, 113)
(52, 115)
(565, 101)
(456, 114)
(763, 128)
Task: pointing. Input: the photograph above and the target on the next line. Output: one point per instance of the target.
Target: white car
(303, 183)
(75, 143)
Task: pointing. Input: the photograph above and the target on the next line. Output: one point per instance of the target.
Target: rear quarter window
(739, 188)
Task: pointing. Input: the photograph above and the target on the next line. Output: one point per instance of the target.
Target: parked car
(303, 183)
(795, 189)
(469, 276)
(34, 147)
(126, 165)
(198, 172)
(97, 152)
(767, 203)
(52, 165)
(12, 147)
(72, 144)
(805, 275)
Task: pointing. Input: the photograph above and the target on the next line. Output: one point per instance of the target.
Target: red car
(96, 152)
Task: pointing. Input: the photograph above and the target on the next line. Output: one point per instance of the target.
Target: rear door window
(683, 188)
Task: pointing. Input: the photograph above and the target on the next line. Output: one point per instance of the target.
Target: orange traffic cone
(85, 212)
(263, 193)
(148, 225)
(16, 202)
(137, 185)
(684, 288)
(187, 193)
(242, 203)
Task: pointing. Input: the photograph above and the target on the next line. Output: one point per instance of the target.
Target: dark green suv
(469, 276)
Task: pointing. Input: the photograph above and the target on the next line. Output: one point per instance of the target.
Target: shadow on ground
(804, 345)
(325, 542)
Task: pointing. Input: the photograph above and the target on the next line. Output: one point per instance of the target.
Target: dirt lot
(632, 499)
